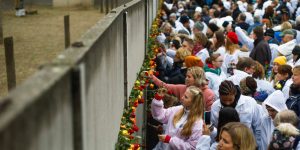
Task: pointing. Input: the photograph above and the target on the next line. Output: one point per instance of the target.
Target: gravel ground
(40, 38)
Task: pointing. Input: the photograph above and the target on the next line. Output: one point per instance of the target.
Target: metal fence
(76, 101)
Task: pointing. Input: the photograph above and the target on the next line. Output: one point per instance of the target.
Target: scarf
(210, 68)
(197, 48)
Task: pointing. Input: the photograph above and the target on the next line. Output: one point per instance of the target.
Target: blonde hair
(288, 129)
(242, 137)
(296, 69)
(201, 38)
(230, 46)
(286, 25)
(199, 75)
(196, 111)
(181, 53)
(286, 116)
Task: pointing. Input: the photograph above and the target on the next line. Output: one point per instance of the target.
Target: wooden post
(107, 6)
(1, 28)
(10, 62)
(126, 102)
(67, 30)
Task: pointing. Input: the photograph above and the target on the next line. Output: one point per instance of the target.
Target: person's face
(225, 142)
(189, 79)
(250, 70)
(229, 28)
(211, 13)
(187, 24)
(271, 111)
(296, 77)
(267, 38)
(218, 62)
(227, 99)
(285, 39)
(186, 45)
(172, 18)
(281, 76)
(197, 17)
(209, 33)
(214, 39)
(275, 67)
(195, 30)
(186, 99)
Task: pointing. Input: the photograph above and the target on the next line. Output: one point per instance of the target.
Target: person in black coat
(293, 102)
(261, 51)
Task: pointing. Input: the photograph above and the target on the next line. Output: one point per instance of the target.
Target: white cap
(198, 9)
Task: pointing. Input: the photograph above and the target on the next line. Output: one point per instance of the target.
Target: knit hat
(233, 37)
(287, 31)
(213, 27)
(269, 32)
(281, 60)
(184, 19)
(191, 61)
(225, 24)
(199, 26)
(296, 50)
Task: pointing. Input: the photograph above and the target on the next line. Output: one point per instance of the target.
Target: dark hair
(245, 62)
(212, 58)
(227, 88)
(176, 43)
(259, 72)
(242, 17)
(220, 39)
(226, 115)
(248, 86)
(217, 14)
(285, 69)
(258, 31)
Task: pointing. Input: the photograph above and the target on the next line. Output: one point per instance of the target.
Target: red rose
(141, 101)
(135, 128)
(130, 131)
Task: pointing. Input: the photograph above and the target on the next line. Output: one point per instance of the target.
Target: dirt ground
(40, 38)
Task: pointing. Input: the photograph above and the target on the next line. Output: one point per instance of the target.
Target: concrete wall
(76, 101)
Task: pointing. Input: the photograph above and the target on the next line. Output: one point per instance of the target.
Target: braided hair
(228, 88)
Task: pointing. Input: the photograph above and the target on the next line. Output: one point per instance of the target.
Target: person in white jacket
(214, 73)
(246, 106)
(289, 44)
(263, 86)
(274, 104)
(244, 68)
(296, 57)
(283, 78)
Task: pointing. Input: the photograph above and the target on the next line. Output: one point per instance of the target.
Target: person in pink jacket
(183, 123)
(195, 76)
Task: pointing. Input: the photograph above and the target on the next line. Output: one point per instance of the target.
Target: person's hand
(162, 137)
(206, 130)
(162, 91)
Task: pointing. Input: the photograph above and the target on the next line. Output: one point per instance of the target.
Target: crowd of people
(234, 68)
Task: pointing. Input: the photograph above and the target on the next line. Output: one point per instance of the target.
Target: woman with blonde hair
(183, 123)
(236, 136)
(195, 76)
(232, 52)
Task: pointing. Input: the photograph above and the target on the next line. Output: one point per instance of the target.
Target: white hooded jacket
(277, 101)
(287, 48)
